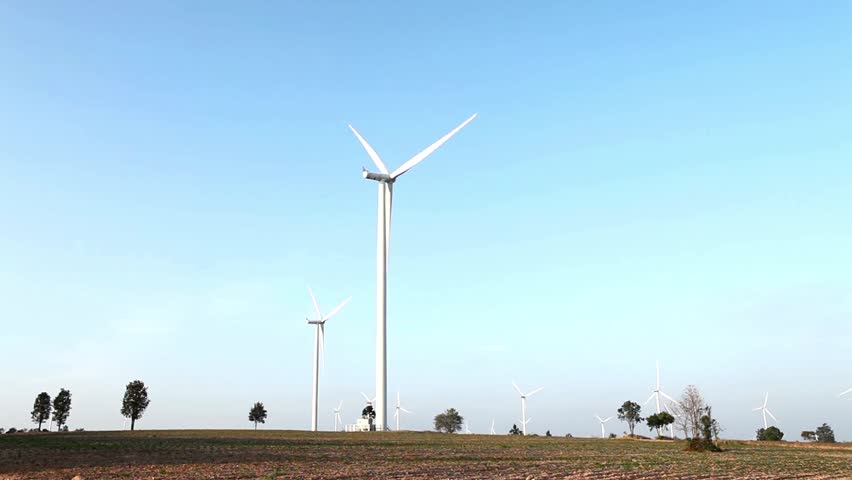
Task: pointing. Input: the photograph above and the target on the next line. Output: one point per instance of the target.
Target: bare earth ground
(232, 454)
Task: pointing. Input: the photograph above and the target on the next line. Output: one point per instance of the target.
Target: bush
(568, 435)
(771, 434)
(547, 434)
(449, 421)
(12, 430)
(612, 435)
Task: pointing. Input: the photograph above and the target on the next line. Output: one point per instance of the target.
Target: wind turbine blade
(404, 409)
(372, 153)
(340, 406)
(599, 418)
(316, 305)
(658, 374)
(649, 398)
(518, 389)
(756, 409)
(766, 400)
(844, 393)
(607, 419)
(336, 309)
(431, 148)
(366, 397)
(773, 416)
(667, 396)
(535, 391)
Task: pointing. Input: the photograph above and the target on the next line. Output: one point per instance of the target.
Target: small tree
(547, 434)
(690, 408)
(368, 412)
(771, 434)
(61, 408)
(449, 421)
(135, 401)
(257, 414)
(825, 434)
(41, 409)
(660, 420)
(809, 436)
(516, 431)
(630, 412)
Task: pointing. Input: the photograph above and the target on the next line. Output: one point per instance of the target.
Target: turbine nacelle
(379, 177)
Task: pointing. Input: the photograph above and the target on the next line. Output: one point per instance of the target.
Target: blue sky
(659, 181)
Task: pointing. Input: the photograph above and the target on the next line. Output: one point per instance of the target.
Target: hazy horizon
(643, 182)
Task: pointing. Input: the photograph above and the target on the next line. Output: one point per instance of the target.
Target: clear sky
(645, 180)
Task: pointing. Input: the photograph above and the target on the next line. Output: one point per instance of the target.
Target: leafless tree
(690, 409)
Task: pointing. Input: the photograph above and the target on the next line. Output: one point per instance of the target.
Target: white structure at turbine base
(524, 396)
(603, 421)
(319, 351)
(765, 411)
(386, 180)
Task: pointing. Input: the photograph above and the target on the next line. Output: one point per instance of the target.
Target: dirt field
(285, 455)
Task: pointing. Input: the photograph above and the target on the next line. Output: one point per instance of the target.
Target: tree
(690, 408)
(825, 434)
(41, 409)
(515, 430)
(809, 436)
(630, 412)
(449, 421)
(368, 413)
(257, 414)
(710, 430)
(660, 420)
(61, 408)
(135, 401)
(771, 434)
(547, 434)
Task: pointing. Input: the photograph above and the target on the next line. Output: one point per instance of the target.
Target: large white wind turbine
(386, 180)
(524, 396)
(319, 350)
(338, 420)
(765, 411)
(658, 393)
(399, 410)
(603, 421)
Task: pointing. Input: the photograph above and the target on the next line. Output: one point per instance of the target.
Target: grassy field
(197, 454)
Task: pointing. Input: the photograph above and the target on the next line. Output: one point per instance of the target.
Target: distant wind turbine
(603, 421)
(319, 351)
(399, 410)
(338, 420)
(386, 180)
(467, 428)
(493, 432)
(765, 411)
(524, 396)
(658, 393)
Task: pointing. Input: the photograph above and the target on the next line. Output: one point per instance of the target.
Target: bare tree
(690, 409)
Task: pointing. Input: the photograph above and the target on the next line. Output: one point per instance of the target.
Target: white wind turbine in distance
(338, 420)
(603, 421)
(493, 432)
(399, 410)
(386, 180)
(659, 394)
(319, 350)
(765, 411)
(524, 396)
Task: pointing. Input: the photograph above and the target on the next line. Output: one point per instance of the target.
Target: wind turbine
(492, 427)
(765, 411)
(658, 392)
(524, 397)
(603, 421)
(467, 429)
(844, 393)
(386, 180)
(337, 418)
(319, 350)
(399, 408)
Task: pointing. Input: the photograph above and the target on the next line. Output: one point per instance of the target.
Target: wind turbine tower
(386, 180)
(524, 396)
(319, 351)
